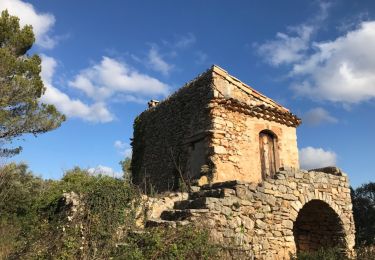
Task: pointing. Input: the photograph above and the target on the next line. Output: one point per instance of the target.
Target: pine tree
(21, 87)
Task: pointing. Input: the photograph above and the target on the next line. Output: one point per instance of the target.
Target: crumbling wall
(165, 134)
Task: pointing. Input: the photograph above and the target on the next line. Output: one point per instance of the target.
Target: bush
(159, 243)
(84, 217)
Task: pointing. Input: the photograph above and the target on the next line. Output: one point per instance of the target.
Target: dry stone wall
(296, 210)
(235, 144)
(209, 131)
(162, 136)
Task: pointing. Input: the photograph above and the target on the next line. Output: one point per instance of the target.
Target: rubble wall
(296, 210)
(163, 134)
(235, 145)
(208, 131)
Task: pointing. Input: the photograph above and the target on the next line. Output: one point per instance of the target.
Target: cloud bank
(96, 112)
(110, 76)
(339, 70)
(311, 158)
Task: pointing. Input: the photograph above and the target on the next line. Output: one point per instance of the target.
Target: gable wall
(235, 145)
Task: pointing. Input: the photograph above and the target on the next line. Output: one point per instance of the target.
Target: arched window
(268, 153)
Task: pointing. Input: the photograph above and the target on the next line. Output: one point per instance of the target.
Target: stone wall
(236, 153)
(209, 130)
(297, 210)
(163, 136)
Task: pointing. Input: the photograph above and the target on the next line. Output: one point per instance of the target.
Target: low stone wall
(297, 210)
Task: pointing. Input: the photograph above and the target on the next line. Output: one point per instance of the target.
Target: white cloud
(185, 41)
(286, 49)
(110, 77)
(157, 63)
(341, 70)
(123, 148)
(96, 112)
(123, 98)
(42, 22)
(291, 47)
(317, 116)
(311, 158)
(104, 170)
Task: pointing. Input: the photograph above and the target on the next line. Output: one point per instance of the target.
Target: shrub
(184, 242)
(37, 221)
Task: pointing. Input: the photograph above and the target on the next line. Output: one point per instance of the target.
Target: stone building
(213, 129)
(239, 149)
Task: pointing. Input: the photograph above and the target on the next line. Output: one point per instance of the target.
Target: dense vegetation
(364, 213)
(93, 217)
(84, 217)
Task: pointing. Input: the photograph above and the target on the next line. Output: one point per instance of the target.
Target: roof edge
(248, 89)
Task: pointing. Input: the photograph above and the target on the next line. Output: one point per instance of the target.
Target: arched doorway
(318, 226)
(268, 153)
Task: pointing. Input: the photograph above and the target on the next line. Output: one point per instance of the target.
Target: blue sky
(102, 61)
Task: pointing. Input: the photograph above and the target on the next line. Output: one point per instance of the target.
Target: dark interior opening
(318, 226)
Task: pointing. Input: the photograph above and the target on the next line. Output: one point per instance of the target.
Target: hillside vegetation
(93, 217)
(84, 217)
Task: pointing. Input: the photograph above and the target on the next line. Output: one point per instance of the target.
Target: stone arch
(269, 154)
(318, 225)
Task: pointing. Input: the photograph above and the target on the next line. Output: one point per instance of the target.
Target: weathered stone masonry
(297, 210)
(213, 123)
(161, 135)
(240, 148)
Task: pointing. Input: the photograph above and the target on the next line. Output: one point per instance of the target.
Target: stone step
(213, 193)
(198, 203)
(181, 214)
(221, 185)
(165, 223)
(203, 203)
(182, 204)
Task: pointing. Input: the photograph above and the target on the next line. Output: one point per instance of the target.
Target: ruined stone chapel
(238, 149)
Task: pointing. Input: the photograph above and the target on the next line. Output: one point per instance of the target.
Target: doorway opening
(268, 153)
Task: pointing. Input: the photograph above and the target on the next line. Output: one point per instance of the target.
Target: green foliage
(363, 199)
(19, 190)
(84, 217)
(361, 253)
(365, 252)
(321, 254)
(159, 243)
(88, 231)
(21, 86)
(126, 168)
(138, 150)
